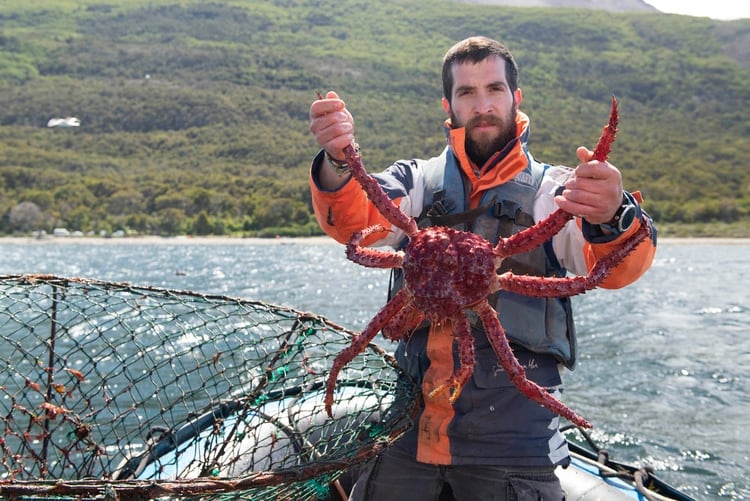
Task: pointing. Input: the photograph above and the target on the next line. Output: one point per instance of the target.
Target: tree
(170, 221)
(202, 226)
(25, 217)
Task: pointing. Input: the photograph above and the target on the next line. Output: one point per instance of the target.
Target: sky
(717, 9)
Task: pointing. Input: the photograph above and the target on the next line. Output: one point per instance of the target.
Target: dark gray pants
(396, 476)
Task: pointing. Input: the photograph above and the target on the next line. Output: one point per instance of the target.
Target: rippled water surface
(664, 365)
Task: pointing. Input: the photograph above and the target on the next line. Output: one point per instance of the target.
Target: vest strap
(437, 215)
(508, 209)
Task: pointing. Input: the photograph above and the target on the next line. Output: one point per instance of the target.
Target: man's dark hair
(474, 50)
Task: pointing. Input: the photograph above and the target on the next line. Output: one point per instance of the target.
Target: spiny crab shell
(452, 270)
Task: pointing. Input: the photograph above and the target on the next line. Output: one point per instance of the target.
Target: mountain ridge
(606, 5)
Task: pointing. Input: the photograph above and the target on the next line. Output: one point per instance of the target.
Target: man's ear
(519, 96)
(446, 107)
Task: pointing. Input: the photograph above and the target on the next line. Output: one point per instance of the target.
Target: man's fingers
(584, 154)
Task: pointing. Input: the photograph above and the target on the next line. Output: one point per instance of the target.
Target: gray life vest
(541, 325)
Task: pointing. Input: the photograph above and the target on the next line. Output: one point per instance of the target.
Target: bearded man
(492, 442)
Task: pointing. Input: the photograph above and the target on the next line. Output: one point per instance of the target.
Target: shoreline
(157, 240)
(315, 240)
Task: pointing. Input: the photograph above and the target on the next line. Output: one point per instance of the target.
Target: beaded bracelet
(341, 168)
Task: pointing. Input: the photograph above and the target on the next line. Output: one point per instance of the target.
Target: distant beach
(316, 240)
(179, 240)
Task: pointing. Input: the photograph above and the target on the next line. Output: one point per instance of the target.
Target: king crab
(448, 272)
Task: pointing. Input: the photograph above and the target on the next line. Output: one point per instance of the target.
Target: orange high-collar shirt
(499, 169)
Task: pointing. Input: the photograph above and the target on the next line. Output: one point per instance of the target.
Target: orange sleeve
(633, 266)
(344, 211)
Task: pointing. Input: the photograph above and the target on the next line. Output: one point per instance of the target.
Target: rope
(641, 477)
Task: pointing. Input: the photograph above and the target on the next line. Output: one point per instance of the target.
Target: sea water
(663, 368)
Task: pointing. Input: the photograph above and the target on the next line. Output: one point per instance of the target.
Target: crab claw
(604, 146)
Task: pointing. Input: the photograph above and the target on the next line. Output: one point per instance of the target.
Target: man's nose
(483, 104)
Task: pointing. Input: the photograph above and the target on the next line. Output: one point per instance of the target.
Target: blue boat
(266, 432)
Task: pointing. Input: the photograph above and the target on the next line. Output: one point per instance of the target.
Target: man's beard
(480, 149)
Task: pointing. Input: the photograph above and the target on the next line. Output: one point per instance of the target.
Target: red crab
(447, 272)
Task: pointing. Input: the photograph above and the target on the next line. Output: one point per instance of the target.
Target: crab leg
(360, 342)
(403, 323)
(371, 258)
(570, 286)
(535, 236)
(375, 193)
(516, 373)
(604, 145)
(466, 355)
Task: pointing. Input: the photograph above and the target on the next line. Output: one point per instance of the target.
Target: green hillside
(194, 115)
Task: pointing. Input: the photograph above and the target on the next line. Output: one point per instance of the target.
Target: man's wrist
(626, 215)
(340, 168)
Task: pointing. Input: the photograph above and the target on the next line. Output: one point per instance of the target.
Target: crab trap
(113, 391)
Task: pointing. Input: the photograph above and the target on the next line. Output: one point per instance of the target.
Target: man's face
(482, 102)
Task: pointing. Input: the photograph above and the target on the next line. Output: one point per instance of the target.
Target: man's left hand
(594, 191)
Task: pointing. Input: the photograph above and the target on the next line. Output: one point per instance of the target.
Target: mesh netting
(115, 391)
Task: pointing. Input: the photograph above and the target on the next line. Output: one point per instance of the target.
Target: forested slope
(194, 115)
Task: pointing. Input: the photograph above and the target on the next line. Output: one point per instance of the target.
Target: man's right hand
(332, 125)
